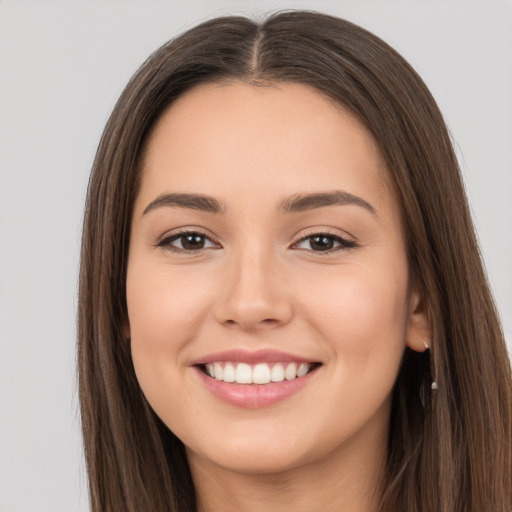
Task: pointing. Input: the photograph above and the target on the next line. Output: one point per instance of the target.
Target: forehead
(276, 139)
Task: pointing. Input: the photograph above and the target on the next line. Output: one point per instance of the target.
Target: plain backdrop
(62, 66)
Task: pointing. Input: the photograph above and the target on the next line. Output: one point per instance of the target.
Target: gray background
(62, 66)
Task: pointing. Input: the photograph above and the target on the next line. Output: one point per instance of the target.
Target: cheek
(361, 316)
(165, 309)
(362, 313)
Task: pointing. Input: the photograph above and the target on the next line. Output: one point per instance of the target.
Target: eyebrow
(304, 202)
(192, 201)
(293, 204)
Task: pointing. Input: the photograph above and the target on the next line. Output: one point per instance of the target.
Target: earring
(434, 385)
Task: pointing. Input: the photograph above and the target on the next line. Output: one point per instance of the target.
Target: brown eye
(321, 243)
(187, 242)
(192, 242)
(324, 242)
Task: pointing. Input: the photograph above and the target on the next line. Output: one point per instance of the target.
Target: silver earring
(434, 385)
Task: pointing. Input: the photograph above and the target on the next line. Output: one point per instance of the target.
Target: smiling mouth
(260, 373)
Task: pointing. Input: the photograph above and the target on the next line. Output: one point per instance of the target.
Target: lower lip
(254, 395)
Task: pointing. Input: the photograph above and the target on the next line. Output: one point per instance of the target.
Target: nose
(253, 294)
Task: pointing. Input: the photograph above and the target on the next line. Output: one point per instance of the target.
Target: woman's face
(266, 245)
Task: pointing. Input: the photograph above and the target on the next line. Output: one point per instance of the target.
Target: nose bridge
(254, 295)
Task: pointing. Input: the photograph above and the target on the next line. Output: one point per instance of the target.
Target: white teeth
(229, 373)
(291, 371)
(302, 370)
(243, 374)
(277, 373)
(261, 373)
(218, 371)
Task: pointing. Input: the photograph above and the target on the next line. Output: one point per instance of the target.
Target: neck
(347, 480)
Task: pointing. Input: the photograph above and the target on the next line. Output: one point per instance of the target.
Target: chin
(255, 459)
(268, 449)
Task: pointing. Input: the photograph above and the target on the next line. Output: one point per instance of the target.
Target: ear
(418, 334)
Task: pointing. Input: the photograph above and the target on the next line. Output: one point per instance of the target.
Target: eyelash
(166, 241)
(344, 244)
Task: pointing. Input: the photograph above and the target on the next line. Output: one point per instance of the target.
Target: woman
(282, 302)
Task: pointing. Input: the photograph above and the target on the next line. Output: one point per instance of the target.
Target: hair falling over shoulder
(450, 448)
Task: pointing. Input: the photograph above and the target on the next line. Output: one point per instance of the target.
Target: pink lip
(244, 356)
(253, 395)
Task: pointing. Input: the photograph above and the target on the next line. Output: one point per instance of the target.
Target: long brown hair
(450, 448)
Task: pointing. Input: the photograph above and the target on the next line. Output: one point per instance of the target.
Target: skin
(259, 284)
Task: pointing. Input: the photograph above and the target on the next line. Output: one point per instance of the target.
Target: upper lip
(251, 357)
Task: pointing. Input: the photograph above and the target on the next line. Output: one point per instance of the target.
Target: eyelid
(345, 242)
(164, 240)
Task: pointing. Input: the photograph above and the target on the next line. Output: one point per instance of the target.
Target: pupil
(193, 242)
(321, 243)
